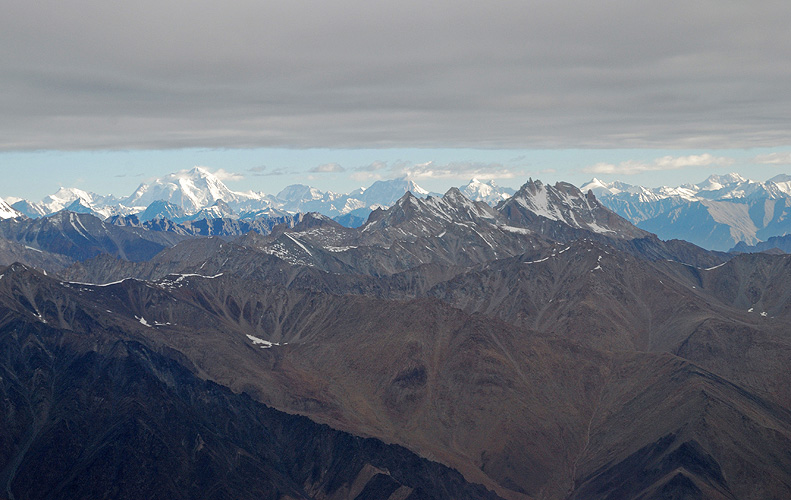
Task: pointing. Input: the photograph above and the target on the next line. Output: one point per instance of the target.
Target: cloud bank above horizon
(90, 75)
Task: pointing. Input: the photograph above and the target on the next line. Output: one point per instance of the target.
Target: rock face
(539, 205)
(497, 351)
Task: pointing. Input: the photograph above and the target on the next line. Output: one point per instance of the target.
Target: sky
(103, 95)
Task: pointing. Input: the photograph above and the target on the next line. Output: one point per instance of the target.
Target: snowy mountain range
(197, 194)
(487, 192)
(192, 190)
(717, 213)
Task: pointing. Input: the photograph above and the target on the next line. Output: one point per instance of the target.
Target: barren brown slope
(609, 300)
(100, 415)
(528, 415)
(585, 291)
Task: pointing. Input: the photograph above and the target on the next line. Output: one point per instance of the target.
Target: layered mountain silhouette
(445, 348)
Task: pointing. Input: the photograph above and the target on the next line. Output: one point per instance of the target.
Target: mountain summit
(6, 212)
(191, 189)
(537, 205)
(488, 192)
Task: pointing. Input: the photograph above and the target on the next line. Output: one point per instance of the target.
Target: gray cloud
(379, 165)
(625, 73)
(327, 168)
(265, 171)
(774, 159)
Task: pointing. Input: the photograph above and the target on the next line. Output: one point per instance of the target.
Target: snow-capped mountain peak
(6, 212)
(64, 197)
(564, 203)
(299, 193)
(218, 210)
(429, 216)
(719, 182)
(389, 191)
(600, 188)
(780, 178)
(488, 192)
(161, 209)
(192, 190)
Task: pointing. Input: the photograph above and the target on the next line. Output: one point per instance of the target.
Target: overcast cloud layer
(624, 73)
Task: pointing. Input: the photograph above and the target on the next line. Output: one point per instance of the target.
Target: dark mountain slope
(217, 226)
(679, 452)
(12, 251)
(99, 415)
(82, 236)
(775, 244)
(585, 291)
(732, 319)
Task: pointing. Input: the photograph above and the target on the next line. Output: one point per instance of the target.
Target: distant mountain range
(717, 213)
(196, 194)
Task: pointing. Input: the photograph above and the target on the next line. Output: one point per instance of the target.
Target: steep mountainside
(12, 251)
(455, 231)
(537, 205)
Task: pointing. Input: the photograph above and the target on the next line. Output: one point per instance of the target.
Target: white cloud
(224, 175)
(631, 167)
(374, 167)
(458, 170)
(774, 159)
(432, 170)
(362, 176)
(327, 168)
